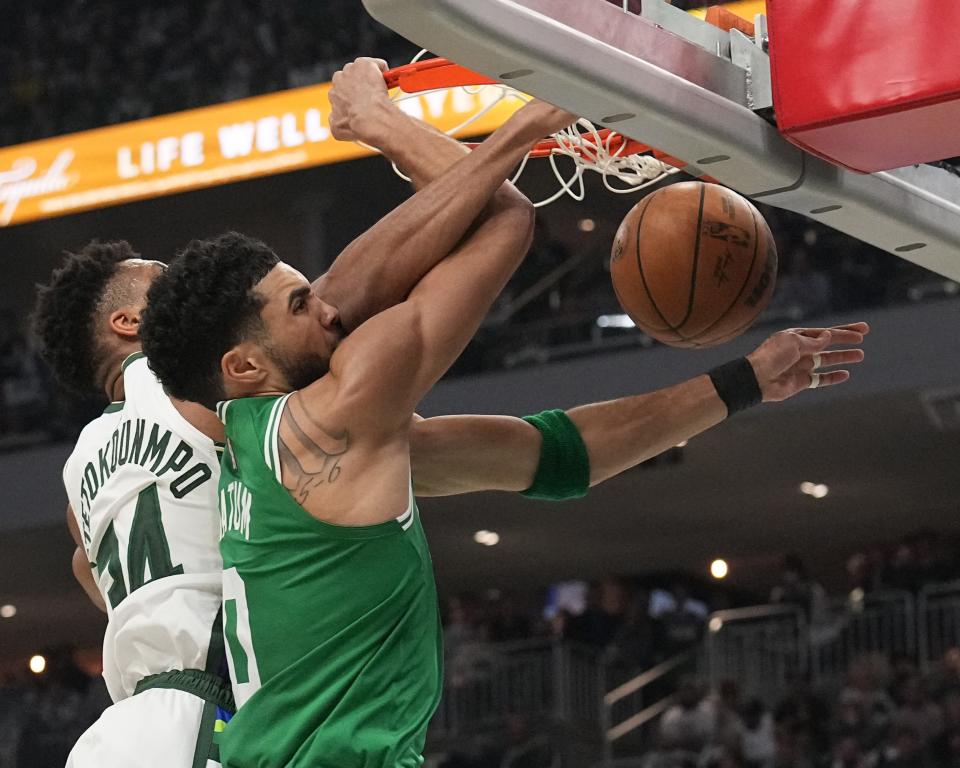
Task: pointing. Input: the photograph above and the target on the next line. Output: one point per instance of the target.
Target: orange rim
(429, 74)
(432, 73)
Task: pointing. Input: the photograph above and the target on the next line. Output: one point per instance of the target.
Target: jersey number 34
(147, 547)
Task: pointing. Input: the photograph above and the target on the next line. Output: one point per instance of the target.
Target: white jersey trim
(406, 519)
(271, 449)
(222, 410)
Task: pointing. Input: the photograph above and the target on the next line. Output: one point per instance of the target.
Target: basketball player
(330, 608)
(142, 485)
(89, 320)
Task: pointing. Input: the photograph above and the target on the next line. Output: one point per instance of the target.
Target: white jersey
(142, 482)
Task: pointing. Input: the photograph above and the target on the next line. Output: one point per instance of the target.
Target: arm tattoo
(309, 455)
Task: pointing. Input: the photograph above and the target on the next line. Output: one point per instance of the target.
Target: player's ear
(125, 323)
(243, 365)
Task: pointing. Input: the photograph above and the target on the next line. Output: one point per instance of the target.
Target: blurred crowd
(630, 626)
(42, 716)
(887, 714)
(78, 64)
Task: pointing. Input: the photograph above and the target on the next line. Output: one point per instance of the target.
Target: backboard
(694, 91)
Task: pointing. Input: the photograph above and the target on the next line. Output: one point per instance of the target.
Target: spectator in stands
(946, 676)
(946, 748)
(933, 562)
(632, 648)
(467, 651)
(950, 757)
(848, 753)
(917, 712)
(904, 749)
(803, 725)
(794, 747)
(723, 709)
(864, 706)
(759, 735)
(797, 588)
(865, 572)
(680, 618)
(507, 621)
(604, 615)
(686, 727)
(903, 570)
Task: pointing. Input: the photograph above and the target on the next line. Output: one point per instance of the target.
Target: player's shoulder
(95, 432)
(230, 411)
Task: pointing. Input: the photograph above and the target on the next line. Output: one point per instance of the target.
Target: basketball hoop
(625, 165)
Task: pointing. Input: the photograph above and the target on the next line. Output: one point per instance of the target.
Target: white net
(574, 150)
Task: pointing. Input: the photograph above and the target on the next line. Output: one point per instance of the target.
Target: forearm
(84, 576)
(379, 268)
(419, 150)
(451, 455)
(622, 433)
(463, 454)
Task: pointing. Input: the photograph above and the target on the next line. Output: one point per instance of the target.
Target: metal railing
(641, 709)
(763, 648)
(766, 649)
(544, 680)
(879, 622)
(938, 621)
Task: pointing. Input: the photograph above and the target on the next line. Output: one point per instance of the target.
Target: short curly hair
(65, 312)
(201, 307)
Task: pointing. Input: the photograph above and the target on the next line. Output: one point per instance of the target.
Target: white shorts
(159, 728)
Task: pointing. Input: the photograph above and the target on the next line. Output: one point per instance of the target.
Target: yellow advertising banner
(198, 148)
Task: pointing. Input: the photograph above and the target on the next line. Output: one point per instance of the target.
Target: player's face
(302, 330)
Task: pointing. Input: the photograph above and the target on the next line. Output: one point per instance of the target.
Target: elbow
(517, 212)
(509, 197)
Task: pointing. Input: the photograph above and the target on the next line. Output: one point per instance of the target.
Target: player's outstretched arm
(380, 267)
(460, 454)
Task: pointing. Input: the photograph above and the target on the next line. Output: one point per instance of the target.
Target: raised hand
(359, 100)
(792, 360)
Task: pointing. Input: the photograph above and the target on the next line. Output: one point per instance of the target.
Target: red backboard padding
(867, 84)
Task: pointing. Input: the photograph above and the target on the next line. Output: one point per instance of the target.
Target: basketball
(693, 264)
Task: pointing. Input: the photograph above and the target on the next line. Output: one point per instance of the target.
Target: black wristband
(737, 385)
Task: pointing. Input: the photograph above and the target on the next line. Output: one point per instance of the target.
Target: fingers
(837, 357)
(852, 333)
(861, 328)
(812, 344)
(829, 379)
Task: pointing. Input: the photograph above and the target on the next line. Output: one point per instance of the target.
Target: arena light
(816, 490)
(37, 664)
(487, 538)
(8, 611)
(719, 569)
(615, 321)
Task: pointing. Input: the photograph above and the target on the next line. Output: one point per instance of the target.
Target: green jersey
(333, 632)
